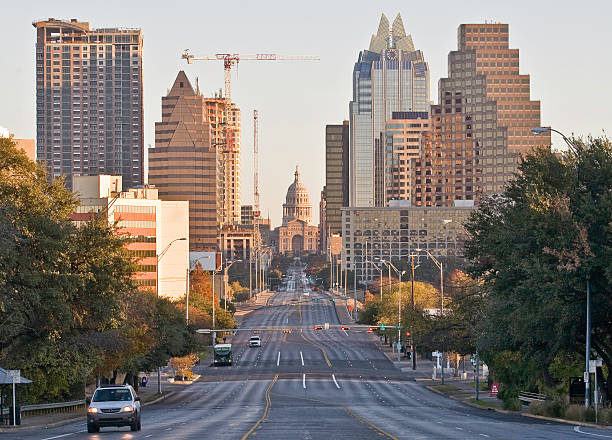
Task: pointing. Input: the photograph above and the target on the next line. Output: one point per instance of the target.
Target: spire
(397, 29)
(383, 26)
(181, 86)
(297, 174)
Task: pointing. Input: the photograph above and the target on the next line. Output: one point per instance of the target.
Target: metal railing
(46, 408)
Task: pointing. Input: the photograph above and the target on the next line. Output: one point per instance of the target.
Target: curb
(533, 416)
(159, 399)
(44, 425)
(567, 422)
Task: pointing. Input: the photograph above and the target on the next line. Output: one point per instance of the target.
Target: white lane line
(345, 332)
(302, 357)
(577, 429)
(334, 377)
(278, 359)
(64, 435)
(484, 435)
(304, 380)
(460, 429)
(147, 436)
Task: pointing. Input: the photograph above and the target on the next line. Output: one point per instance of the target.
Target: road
(313, 384)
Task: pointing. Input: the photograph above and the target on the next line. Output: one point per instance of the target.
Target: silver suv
(255, 341)
(113, 405)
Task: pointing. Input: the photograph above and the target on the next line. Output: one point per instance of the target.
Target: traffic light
(345, 328)
(408, 334)
(371, 329)
(333, 300)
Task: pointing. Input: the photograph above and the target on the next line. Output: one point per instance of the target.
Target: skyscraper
(182, 166)
(215, 111)
(89, 107)
(480, 124)
(336, 189)
(391, 76)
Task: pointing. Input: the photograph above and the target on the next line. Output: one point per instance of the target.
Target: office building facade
(391, 76)
(89, 103)
(183, 164)
(152, 225)
(336, 176)
(481, 123)
(395, 233)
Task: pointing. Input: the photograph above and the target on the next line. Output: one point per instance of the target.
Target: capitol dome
(297, 203)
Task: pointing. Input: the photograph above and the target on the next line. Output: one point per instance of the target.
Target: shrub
(548, 408)
(605, 416)
(243, 295)
(512, 404)
(575, 412)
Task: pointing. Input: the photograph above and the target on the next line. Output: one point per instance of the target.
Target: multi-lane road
(313, 384)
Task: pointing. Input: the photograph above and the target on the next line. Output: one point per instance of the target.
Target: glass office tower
(391, 76)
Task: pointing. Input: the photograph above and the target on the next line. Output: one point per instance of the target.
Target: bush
(512, 404)
(605, 416)
(575, 412)
(548, 408)
(243, 295)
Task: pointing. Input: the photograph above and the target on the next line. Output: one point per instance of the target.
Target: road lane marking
(334, 377)
(484, 435)
(64, 435)
(302, 357)
(320, 348)
(577, 429)
(278, 359)
(304, 380)
(266, 409)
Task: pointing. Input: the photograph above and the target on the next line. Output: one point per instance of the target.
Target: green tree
(534, 247)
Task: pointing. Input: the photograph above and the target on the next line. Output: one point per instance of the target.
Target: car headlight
(128, 409)
(92, 410)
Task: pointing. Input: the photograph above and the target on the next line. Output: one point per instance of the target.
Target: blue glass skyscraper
(391, 76)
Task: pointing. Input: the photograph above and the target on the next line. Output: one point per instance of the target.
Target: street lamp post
(587, 374)
(440, 266)
(412, 348)
(380, 279)
(158, 258)
(225, 287)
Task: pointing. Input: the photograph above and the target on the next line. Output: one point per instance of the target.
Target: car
(113, 405)
(255, 341)
(318, 327)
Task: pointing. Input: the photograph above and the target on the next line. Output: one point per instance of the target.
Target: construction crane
(256, 212)
(227, 149)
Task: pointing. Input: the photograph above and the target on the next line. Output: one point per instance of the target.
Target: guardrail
(46, 408)
(532, 397)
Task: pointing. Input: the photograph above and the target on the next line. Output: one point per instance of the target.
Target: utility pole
(413, 351)
(587, 374)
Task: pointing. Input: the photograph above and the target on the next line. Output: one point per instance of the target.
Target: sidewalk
(148, 395)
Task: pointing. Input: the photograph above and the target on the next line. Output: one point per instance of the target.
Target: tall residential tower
(89, 107)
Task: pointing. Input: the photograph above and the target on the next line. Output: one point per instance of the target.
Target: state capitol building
(297, 235)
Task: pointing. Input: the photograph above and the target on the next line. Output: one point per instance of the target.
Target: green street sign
(382, 326)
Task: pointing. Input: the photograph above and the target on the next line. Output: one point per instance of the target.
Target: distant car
(113, 405)
(318, 327)
(255, 341)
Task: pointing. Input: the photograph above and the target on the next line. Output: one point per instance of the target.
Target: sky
(564, 46)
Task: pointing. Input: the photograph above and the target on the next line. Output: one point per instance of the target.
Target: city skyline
(324, 88)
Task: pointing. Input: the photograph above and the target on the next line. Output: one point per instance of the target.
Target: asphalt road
(313, 384)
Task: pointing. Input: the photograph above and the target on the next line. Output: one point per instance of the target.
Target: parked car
(113, 405)
(255, 341)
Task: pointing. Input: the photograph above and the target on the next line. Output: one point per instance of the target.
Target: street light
(540, 130)
(189, 284)
(225, 282)
(440, 266)
(380, 279)
(399, 304)
(587, 375)
(158, 258)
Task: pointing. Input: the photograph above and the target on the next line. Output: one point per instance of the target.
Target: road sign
(436, 353)
(593, 364)
(586, 377)
(494, 388)
(382, 326)
(326, 326)
(15, 375)
(399, 345)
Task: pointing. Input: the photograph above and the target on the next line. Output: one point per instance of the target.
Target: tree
(534, 247)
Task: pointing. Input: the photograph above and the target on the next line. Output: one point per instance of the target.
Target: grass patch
(447, 388)
(482, 386)
(204, 354)
(481, 403)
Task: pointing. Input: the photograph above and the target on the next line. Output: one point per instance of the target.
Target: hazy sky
(564, 46)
